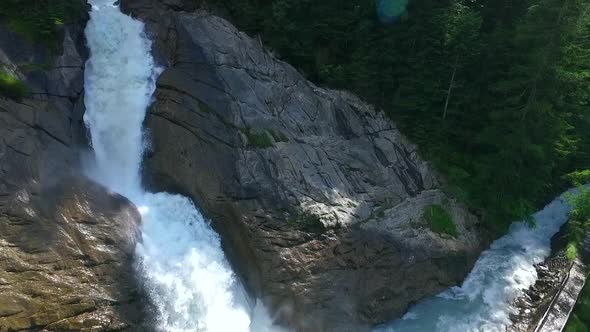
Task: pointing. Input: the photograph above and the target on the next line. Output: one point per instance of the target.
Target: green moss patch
(439, 220)
(260, 140)
(571, 251)
(579, 219)
(11, 87)
(308, 222)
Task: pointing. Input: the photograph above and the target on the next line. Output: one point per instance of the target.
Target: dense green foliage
(579, 218)
(577, 227)
(439, 220)
(579, 178)
(39, 20)
(12, 87)
(496, 92)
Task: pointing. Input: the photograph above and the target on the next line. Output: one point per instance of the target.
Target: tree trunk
(450, 90)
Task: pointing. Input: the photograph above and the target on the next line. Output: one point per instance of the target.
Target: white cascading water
(186, 273)
(484, 302)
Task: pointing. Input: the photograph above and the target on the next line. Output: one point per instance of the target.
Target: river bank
(547, 304)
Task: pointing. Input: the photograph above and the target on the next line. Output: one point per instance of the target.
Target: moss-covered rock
(439, 220)
(259, 140)
(12, 87)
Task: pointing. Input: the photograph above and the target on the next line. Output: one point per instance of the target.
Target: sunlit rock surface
(66, 260)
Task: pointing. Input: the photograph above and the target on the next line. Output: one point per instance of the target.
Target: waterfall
(186, 273)
(484, 302)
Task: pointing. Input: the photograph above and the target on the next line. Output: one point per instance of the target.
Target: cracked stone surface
(269, 156)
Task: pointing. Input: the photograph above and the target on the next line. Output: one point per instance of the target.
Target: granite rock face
(317, 196)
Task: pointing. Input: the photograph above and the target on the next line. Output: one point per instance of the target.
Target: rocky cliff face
(65, 242)
(318, 197)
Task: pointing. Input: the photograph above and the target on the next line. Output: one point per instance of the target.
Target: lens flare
(390, 11)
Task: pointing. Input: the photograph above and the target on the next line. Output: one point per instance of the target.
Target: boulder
(319, 199)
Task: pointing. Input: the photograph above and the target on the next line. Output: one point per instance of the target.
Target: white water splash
(186, 273)
(483, 302)
(119, 82)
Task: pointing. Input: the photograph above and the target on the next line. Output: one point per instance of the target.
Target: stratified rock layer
(318, 197)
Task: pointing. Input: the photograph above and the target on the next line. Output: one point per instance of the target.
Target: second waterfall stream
(180, 258)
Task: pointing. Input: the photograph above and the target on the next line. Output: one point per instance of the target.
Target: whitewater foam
(186, 273)
(484, 302)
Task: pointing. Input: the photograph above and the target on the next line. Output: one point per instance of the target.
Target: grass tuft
(439, 220)
(11, 87)
(571, 251)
